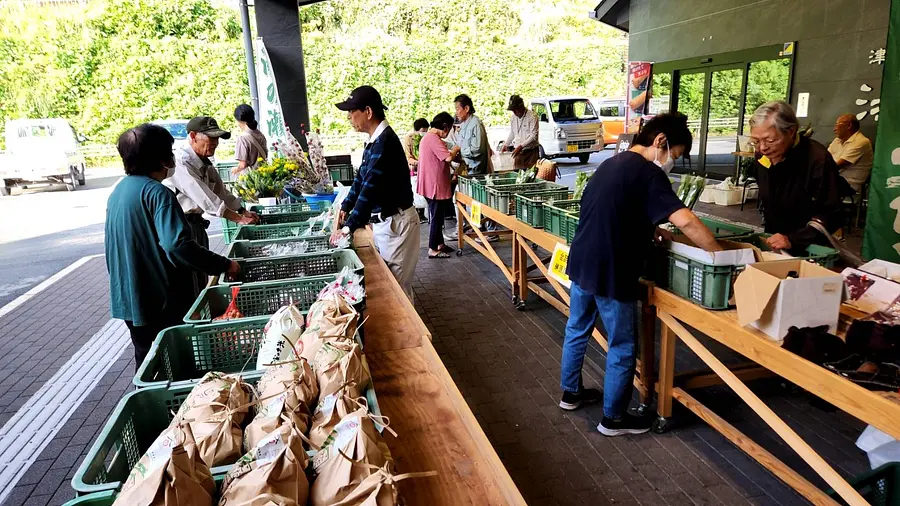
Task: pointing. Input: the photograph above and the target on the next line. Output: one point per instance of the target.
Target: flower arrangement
(315, 177)
(268, 180)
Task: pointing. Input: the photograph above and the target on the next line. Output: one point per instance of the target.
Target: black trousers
(437, 210)
(142, 337)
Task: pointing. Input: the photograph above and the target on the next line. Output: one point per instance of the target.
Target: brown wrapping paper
(329, 412)
(287, 392)
(170, 473)
(379, 488)
(273, 472)
(340, 364)
(356, 437)
(330, 319)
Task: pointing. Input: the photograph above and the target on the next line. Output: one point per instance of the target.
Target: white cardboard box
(771, 302)
(870, 293)
(734, 253)
(882, 268)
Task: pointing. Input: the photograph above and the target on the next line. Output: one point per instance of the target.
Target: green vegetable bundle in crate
(690, 189)
(527, 175)
(581, 181)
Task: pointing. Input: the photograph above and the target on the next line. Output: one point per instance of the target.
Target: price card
(476, 213)
(558, 263)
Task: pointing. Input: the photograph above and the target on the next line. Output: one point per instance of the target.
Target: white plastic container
(729, 197)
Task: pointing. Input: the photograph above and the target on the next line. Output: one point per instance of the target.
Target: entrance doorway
(718, 94)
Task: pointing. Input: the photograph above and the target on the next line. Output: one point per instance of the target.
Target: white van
(568, 127)
(41, 151)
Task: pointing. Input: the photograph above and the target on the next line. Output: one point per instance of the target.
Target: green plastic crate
(96, 499)
(224, 170)
(183, 354)
(256, 249)
(720, 229)
(880, 487)
(822, 255)
(501, 197)
(561, 218)
(257, 299)
(708, 286)
(341, 172)
(300, 207)
(277, 231)
(139, 418)
(255, 270)
(229, 228)
(474, 186)
(530, 205)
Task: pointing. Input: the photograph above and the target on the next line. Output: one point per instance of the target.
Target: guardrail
(714, 123)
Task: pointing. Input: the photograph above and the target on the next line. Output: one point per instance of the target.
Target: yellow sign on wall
(558, 263)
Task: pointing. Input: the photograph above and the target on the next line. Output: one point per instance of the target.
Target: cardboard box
(736, 253)
(771, 302)
(867, 292)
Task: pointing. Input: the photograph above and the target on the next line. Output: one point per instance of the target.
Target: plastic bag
(880, 447)
(281, 336)
(348, 285)
(232, 312)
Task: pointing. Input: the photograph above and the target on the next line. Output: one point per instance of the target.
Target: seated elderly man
(798, 179)
(852, 151)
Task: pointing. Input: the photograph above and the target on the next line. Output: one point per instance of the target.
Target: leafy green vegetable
(690, 189)
(527, 175)
(581, 181)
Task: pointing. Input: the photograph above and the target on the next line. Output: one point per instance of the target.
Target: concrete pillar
(278, 23)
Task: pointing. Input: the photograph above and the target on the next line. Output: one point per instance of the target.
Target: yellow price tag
(558, 263)
(476, 213)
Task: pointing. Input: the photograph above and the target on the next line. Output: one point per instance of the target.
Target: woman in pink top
(434, 181)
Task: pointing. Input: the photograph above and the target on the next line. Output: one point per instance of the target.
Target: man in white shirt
(198, 187)
(852, 151)
(523, 134)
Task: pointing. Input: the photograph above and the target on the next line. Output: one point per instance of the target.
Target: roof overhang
(613, 13)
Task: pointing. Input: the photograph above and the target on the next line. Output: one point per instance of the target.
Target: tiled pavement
(506, 364)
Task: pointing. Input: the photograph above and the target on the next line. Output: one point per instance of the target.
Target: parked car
(41, 151)
(176, 127)
(568, 127)
(612, 115)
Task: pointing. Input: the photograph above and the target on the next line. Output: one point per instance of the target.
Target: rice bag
(338, 364)
(272, 472)
(282, 333)
(336, 476)
(328, 319)
(329, 412)
(170, 473)
(295, 390)
(380, 488)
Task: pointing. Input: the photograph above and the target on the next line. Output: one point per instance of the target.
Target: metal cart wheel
(459, 252)
(660, 425)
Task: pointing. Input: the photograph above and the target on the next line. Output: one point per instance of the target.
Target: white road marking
(30, 430)
(21, 299)
(18, 285)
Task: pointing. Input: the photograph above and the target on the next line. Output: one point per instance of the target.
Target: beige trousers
(397, 240)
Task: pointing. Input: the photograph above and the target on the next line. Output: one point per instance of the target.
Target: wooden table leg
(666, 374)
(647, 353)
(523, 269)
(460, 224)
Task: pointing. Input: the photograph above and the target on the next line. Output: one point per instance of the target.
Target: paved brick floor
(506, 363)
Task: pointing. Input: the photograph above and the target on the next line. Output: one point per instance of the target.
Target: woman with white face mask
(628, 196)
(150, 255)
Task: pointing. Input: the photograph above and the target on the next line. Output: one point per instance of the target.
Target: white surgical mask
(170, 171)
(669, 164)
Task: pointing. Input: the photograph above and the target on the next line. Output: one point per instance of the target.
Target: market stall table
(437, 430)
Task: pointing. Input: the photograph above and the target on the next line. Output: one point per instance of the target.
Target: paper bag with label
(282, 333)
(338, 364)
(286, 391)
(330, 411)
(170, 473)
(380, 488)
(329, 319)
(273, 472)
(214, 411)
(357, 438)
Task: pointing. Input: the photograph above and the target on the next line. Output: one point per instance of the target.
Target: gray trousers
(197, 226)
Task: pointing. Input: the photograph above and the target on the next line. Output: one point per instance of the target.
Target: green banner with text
(882, 239)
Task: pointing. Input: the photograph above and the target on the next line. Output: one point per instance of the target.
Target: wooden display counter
(437, 430)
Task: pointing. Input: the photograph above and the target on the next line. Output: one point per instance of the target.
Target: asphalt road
(45, 230)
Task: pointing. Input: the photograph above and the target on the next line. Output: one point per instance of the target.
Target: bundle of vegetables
(690, 189)
(581, 181)
(527, 175)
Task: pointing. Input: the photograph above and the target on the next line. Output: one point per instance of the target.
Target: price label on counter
(558, 263)
(476, 213)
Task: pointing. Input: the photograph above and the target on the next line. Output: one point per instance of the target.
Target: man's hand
(517, 151)
(234, 271)
(662, 235)
(454, 151)
(237, 171)
(336, 236)
(254, 215)
(248, 218)
(779, 242)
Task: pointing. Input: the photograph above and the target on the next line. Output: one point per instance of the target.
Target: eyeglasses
(757, 143)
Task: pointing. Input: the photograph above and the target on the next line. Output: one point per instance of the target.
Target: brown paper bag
(329, 320)
(337, 365)
(356, 437)
(379, 488)
(214, 411)
(273, 472)
(170, 473)
(287, 393)
(329, 412)
(215, 393)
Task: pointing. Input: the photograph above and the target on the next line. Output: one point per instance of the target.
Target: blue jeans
(619, 320)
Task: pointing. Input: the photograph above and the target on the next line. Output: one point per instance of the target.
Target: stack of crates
(502, 196)
(282, 213)
(530, 205)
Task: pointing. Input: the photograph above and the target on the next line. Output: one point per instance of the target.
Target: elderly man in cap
(523, 134)
(198, 187)
(381, 192)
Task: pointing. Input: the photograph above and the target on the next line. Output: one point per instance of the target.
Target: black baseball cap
(515, 102)
(208, 126)
(362, 97)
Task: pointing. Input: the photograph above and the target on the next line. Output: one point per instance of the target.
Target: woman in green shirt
(149, 250)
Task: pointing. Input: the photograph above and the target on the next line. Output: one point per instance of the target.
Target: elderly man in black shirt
(798, 179)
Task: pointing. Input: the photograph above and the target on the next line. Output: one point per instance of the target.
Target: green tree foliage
(107, 65)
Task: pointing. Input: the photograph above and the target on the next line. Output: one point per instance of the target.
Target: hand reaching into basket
(234, 271)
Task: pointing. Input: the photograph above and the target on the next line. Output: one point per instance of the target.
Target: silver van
(568, 127)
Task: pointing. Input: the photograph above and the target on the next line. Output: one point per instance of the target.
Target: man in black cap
(198, 187)
(523, 134)
(381, 192)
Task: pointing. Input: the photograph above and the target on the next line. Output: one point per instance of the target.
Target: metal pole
(248, 55)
